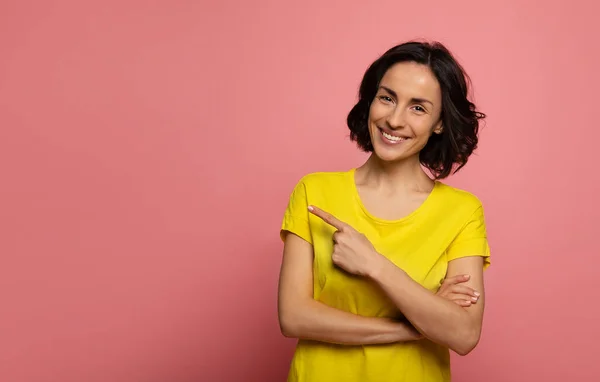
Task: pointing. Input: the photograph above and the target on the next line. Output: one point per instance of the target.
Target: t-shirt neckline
(422, 207)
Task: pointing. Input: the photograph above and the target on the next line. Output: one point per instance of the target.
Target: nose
(396, 118)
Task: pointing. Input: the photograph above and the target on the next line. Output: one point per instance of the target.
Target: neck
(400, 175)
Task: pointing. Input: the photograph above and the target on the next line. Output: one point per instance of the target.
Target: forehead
(410, 79)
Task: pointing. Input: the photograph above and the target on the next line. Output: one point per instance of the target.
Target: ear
(439, 128)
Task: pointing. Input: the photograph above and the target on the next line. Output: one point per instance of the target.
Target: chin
(389, 155)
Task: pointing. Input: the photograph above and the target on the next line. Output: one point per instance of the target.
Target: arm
(437, 318)
(301, 316)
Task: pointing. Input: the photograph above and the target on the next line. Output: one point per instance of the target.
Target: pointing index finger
(328, 218)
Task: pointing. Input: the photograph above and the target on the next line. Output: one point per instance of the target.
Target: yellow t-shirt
(448, 225)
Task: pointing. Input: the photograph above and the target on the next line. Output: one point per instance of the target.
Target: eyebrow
(413, 100)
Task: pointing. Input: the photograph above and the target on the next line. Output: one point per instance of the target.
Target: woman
(382, 270)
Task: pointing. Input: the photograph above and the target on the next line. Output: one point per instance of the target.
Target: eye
(385, 98)
(419, 108)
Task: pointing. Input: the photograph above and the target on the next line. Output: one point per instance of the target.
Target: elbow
(288, 330)
(293, 318)
(467, 342)
(288, 326)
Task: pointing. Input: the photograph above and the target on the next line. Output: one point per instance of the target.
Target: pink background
(147, 150)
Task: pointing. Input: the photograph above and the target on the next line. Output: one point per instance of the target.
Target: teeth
(391, 137)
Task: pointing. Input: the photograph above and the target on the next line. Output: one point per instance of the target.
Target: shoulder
(318, 180)
(322, 188)
(459, 199)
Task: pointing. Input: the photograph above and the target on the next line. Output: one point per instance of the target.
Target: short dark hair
(443, 152)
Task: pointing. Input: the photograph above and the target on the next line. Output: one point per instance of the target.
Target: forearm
(314, 320)
(437, 318)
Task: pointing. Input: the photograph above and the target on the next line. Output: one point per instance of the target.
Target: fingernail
(466, 276)
(310, 208)
(476, 293)
(474, 298)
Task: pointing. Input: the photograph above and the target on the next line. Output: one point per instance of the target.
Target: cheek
(423, 127)
(377, 111)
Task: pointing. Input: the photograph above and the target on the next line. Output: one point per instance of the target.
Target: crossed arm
(433, 316)
(440, 320)
(301, 316)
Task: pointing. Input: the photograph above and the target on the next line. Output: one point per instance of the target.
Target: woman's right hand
(453, 290)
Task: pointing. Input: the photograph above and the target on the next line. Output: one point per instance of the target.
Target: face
(405, 112)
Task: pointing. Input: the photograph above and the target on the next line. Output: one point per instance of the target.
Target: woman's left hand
(352, 251)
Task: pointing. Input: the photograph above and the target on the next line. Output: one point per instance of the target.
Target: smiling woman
(433, 86)
(382, 271)
(393, 109)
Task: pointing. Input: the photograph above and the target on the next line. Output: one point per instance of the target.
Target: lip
(388, 141)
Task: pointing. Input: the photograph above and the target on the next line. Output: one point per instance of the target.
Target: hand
(352, 251)
(459, 294)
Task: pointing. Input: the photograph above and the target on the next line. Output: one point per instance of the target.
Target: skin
(391, 184)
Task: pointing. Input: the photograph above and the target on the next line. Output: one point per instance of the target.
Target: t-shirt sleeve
(471, 240)
(295, 217)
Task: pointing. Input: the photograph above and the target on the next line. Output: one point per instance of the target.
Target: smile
(389, 138)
